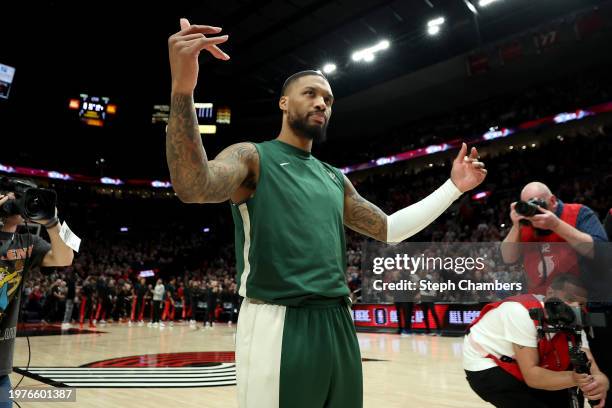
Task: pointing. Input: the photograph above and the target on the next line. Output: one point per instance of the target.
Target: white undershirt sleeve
(412, 219)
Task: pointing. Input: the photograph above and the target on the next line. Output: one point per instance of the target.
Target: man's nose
(320, 104)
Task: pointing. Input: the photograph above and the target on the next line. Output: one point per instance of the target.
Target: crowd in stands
(124, 237)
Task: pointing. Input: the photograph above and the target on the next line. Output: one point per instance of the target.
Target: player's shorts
(298, 357)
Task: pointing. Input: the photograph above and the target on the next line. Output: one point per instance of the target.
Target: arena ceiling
(62, 49)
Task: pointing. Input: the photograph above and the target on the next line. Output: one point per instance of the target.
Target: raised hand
(184, 48)
(467, 171)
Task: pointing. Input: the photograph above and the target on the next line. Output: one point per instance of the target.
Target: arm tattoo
(230, 170)
(194, 178)
(184, 150)
(362, 216)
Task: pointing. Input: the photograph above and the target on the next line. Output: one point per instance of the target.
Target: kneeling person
(509, 365)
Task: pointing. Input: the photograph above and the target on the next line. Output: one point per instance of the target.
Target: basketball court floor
(181, 366)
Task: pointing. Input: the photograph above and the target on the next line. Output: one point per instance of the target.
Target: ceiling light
(329, 68)
(367, 54)
(470, 6)
(433, 30)
(436, 22)
(485, 3)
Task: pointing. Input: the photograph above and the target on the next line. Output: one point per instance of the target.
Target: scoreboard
(209, 116)
(93, 110)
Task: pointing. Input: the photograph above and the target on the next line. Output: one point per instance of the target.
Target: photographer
(510, 363)
(19, 253)
(540, 217)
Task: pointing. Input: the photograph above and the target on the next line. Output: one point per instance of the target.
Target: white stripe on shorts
(259, 342)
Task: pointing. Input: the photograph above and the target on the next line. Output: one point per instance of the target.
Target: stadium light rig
(433, 26)
(367, 54)
(329, 68)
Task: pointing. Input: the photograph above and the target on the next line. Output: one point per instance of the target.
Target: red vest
(554, 353)
(544, 262)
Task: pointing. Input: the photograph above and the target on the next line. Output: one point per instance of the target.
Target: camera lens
(39, 204)
(526, 209)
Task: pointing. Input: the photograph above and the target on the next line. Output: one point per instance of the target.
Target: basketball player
(296, 343)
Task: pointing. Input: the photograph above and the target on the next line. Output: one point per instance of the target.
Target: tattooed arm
(196, 179)
(362, 216)
(366, 218)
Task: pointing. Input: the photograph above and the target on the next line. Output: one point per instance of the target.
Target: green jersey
(290, 243)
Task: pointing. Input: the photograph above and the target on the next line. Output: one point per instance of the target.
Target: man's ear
(553, 202)
(283, 102)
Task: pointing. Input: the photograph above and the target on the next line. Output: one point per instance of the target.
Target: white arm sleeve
(412, 219)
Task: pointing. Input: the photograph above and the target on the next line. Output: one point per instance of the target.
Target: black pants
(426, 307)
(501, 389)
(404, 315)
(157, 305)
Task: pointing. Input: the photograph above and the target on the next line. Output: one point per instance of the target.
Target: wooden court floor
(413, 371)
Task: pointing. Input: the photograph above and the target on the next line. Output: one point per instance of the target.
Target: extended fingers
(217, 52)
(203, 29)
(478, 165)
(207, 42)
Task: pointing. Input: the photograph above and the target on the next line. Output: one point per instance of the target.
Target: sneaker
(65, 326)
(212, 324)
(102, 321)
(229, 323)
(150, 324)
(140, 323)
(207, 324)
(95, 321)
(161, 324)
(171, 324)
(130, 323)
(156, 324)
(406, 333)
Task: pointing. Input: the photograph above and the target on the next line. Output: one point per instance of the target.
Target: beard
(300, 125)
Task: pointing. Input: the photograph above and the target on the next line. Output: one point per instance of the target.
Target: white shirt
(158, 292)
(496, 331)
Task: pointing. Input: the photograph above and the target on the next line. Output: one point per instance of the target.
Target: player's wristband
(52, 223)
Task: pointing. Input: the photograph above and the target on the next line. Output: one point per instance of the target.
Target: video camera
(31, 202)
(559, 317)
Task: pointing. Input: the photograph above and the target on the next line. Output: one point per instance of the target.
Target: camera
(31, 202)
(530, 208)
(559, 317)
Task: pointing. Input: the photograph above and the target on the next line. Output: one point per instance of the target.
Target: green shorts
(298, 357)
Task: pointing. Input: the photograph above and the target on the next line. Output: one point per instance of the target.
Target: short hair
(297, 76)
(561, 280)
